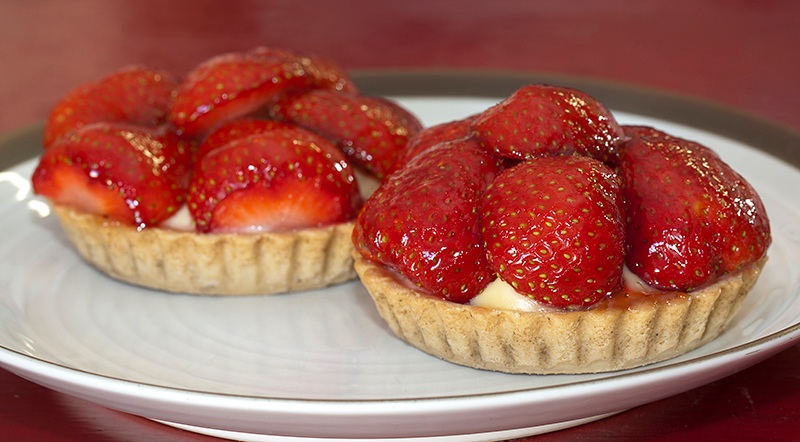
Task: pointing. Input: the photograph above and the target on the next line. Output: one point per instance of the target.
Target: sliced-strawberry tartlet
(205, 185)
(541, 237)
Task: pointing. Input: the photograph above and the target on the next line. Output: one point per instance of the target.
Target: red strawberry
(539, 120)
(236, 84)
(371, 131)
(242, 128)
(423, 221)
(128, 173)
(554, 230)
(134, 95)
(229, 86)
(433, 135)
(691, 218)
(325, 73)
(272, 181)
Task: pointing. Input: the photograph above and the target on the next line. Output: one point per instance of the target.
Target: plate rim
(775, 138)
(767, 136)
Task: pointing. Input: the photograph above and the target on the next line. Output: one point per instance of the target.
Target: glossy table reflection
(759, 403)
(737, 53)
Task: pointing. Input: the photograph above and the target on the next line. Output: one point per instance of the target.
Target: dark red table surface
(740, 53)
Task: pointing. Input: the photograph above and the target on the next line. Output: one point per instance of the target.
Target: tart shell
(626, 331)
(213, 264)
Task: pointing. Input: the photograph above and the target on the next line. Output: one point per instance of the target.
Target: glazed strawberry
(236, 84)
(128, 173)
(423, 222)
(325, 73)
(229, 86)
(371, 131)
(134, 95)
(554, 230)
(691, 218)
(436, 134)
(242, 128)
(272, 182)
(539, 120)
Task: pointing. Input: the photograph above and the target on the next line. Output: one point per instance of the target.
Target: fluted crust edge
(213, 264)
(610, 338)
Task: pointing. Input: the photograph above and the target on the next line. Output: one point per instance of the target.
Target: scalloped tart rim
(212, 264)
(609, 338)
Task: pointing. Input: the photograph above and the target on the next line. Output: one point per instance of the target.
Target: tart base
(623, 333)
(213, 264)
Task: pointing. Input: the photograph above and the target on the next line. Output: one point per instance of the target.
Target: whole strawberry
(423, 221)
(371, 131)
(691, 218)
(127, 173)
(539, 120)
(134, 95)
(554, 230)
(271, 182)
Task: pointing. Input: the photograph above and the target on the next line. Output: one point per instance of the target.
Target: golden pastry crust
(621, 333)
(213, 264)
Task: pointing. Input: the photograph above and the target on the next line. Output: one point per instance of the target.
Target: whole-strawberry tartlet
(225, 181)
(540, 236)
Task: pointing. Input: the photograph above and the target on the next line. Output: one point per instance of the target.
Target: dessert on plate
(541, 236)
(242, 177)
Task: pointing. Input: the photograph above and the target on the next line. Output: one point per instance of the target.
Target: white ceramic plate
(321, 364)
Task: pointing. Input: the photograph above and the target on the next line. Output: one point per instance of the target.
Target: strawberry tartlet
(540, 236)
(225, 181)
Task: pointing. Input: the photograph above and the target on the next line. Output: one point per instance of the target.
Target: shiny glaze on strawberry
(302, 180)
(559, 149)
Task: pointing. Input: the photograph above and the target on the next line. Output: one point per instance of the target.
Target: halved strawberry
(371, 131)
(423, 220)
(272, 181)
(691, 218)
(554, 230)
(134, 95)
(539, 120)
(242, 128)
(131, 174)
(238, 84)
(325, 73)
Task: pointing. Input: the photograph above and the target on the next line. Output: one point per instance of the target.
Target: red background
(739, 53)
